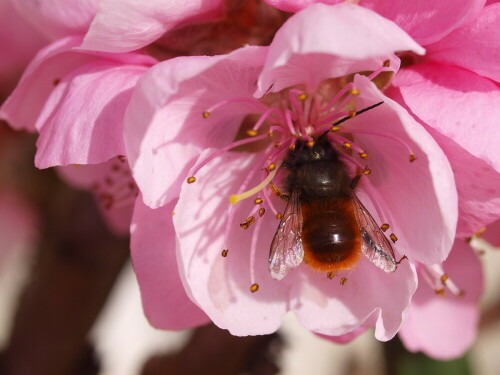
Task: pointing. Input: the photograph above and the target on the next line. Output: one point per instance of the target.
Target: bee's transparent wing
(286, 249)
(374, 244)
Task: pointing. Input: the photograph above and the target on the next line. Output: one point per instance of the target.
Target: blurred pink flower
(19, 43)
(168, 140)
(18, 224)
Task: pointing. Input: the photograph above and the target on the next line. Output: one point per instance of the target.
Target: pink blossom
(112, 30)
(168, 140)
(454, 92)
(444, 317)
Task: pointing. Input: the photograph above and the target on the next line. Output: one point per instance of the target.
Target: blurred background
(70, 303)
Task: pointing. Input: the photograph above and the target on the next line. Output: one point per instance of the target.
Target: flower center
(282, 119)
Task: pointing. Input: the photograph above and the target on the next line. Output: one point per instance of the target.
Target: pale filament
(222, 103)
(253, 250)
(380, 134)
(227, 148)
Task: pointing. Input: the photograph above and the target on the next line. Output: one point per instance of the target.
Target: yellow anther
(384, 227)
(279, 215)
(393, 237)
(444, 278)
(258, 201)
(412, 158)
(270, 133)
(480, 232)
(346, 145)
(190, 180)
(354, 92)
(291, 147)
(335, 128)
(439, 292)
(277, 145)
(173, 213)
(249, 221)
(343, 281)
(387, 63)
(262, 211)
(363, 155)
(224, 252)
(330, 275)
(366, 171)
(310, 144)
(206, 114)
(252, 133)
(302, 96)
(271, 167)
(254, 288)
(352, 114)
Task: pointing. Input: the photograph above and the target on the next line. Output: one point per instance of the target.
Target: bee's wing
(374, 244)
(286, 249)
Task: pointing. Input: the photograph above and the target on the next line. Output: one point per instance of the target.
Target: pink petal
(296, 5)
(475, 46)
(164, 300)
(445, 327)
(316, 37)
(126, 25)
(369, 297)
(108, 175)
(50, 65)
(478, 186)
(417, 198)
(58, 18)
(348, 337)
(221, 286)
(425, 21)
(164, 127)
(458, 104)
(82, 121)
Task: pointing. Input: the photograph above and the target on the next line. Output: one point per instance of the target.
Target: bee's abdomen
(330, 234)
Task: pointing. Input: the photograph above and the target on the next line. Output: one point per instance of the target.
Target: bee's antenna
(351, 115)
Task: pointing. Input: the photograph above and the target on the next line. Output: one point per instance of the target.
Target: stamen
(222, 150)
(330, 275)
(262, 211)
(190, 180)
(279, 216)
(258, 201)
(393, 237)
(224, 252)
(384, 227)
(263, 118)
(238, 197)
(343, 281)
(249, 221)
(254, 288)
(412, 157)
(255, 102)
(253, 252)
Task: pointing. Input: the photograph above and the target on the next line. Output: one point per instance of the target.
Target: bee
(324, 223)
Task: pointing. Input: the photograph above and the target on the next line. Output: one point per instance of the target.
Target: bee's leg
(402, 258)
(278, 192)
